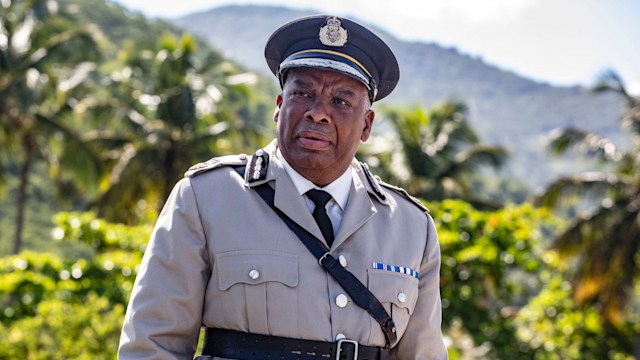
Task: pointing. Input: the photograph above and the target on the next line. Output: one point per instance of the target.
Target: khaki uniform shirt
(220, 257)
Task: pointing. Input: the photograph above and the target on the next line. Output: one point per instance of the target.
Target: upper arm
(165, 310)
(423, 336)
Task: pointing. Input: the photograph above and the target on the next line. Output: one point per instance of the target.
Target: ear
(276, 112)
(368, 123)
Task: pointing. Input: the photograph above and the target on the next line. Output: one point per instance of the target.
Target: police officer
(330, 264)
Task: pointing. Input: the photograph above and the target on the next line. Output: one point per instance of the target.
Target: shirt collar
(339, 188)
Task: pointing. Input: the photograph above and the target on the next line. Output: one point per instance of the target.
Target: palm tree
(169, 119)
(606, 238)
(434, 154)
(40, 46)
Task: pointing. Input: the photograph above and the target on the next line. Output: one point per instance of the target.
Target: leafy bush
(63, 330)
(554, 327)
(70, 308)
(490, 262)
(506, 294)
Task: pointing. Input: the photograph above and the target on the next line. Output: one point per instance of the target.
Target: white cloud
(473, 11)
(634, 88)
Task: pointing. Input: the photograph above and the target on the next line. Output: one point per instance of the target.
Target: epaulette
(406, 195)
(374, 182)
(216, 162)
(377, 184)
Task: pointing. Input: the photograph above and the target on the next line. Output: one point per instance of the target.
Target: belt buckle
(339, 348)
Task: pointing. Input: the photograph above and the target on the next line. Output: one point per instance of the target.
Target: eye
(341, 101)
(300, 93)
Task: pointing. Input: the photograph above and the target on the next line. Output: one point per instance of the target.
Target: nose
(318, 111)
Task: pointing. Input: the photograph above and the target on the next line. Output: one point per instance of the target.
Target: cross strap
(356, 290)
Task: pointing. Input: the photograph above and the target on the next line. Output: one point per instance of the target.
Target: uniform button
(342, 300)
(340, 337)
(402, 297)
(254, 274)
(243, 156)
(343, 261)
(260, 152)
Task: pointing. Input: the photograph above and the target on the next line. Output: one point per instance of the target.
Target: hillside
(505, 108)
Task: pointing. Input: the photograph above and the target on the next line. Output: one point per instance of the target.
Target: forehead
(313, 76)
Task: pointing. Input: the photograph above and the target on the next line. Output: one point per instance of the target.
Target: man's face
(321, 118)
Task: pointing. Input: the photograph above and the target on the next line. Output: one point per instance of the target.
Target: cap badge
(333, 34)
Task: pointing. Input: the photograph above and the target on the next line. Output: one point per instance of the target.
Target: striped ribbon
(398, 269)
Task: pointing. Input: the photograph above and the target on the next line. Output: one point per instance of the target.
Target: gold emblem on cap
(333, 34)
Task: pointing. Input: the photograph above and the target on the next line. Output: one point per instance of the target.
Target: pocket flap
(255, 267)
(396, 288)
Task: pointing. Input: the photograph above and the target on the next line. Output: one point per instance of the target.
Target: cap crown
(336, 44)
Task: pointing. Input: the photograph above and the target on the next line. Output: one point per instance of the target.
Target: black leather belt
(246, 346)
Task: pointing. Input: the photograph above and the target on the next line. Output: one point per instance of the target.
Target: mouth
(314, 140)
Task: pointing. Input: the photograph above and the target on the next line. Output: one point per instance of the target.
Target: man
(223, 257)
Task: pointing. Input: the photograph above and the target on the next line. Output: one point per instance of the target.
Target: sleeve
(423, 339)
(164, 314)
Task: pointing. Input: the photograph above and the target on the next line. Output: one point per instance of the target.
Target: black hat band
(332, 60)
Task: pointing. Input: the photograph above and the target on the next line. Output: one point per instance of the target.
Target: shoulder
(216, 163)
(404, 194)
(381, 189)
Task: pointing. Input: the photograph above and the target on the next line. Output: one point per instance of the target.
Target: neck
(318, 178)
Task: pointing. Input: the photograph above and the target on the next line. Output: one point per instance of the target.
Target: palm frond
(588, 143)
(480, 155)
(77, 154)
(590, 184)
(450, 119)
(408, 124)
(610, 81)
(624, 267)
(631, 119)
(606, 241)
(585, 229)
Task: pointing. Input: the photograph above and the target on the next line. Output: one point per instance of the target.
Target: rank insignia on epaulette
(375, 185)
(200, 167)
(258, 166)
(216, 162)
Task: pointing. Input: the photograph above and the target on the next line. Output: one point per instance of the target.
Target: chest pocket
(398, 293)
(258, 288)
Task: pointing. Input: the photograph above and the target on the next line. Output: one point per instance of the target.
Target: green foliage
(553, 326)
(506, 293)
(489, 265)
(99, 234)
(70, 308)
(434, 153)
(63, 330)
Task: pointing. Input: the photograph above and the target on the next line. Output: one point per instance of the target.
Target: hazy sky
(562, 42)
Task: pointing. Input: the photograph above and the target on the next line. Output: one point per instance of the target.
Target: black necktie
(321, 198)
